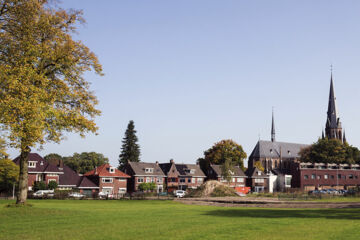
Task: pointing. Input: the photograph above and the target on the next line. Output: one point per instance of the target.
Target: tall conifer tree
(130, 149)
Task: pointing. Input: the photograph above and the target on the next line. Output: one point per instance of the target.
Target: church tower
(333, 129)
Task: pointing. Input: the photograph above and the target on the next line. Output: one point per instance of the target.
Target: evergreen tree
(130, 150)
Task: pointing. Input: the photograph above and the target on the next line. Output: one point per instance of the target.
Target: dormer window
(259, 173)
(32, 164)
(112, 170)
(149, 170)
(192, 171)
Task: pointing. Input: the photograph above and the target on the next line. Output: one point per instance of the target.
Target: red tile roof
(104, 171)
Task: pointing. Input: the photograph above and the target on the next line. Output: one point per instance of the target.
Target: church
(278, 158)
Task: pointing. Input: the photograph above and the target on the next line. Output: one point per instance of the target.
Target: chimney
(171, 160)
(157, 163)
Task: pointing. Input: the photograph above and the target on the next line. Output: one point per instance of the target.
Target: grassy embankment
(71, 219)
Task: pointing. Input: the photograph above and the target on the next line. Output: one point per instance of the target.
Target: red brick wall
(330, 182)
(136, 183)
(116, 184)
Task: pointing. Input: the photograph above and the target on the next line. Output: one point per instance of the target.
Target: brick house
(238, 177)
(142, 172)
(40, 170)
(108, 179)
(257, 180)
(310, 176)
(182, 176)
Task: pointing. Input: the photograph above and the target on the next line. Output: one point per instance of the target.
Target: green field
(94, 219)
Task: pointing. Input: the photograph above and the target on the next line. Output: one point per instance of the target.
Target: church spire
(333, 124)
(272, 127)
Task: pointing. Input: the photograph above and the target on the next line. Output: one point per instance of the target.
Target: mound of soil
(213, 189)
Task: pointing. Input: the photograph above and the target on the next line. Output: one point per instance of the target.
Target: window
(233, 179)
(172, 179)
(288, 181)
(51, 180)
(189, 180)
(332, 177)
(318, 177)
(122, 179)
(306, 177)
(339, 176)
(241, 180)
(159, 180)
(326, 176)
(313, 176)
(192, 171)
(193, 180)
(199, 180)
(122, 190)
(259, 180)
(112, 170)
(258, 173)
(147, 179)
(182, 180)
(32, 164)
(107, 180)
(152, 179)
(351, 176)
(140, 180)
(149, 170)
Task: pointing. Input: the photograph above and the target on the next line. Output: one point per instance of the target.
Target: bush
(39, 186)
(147, 187)
(52, 185)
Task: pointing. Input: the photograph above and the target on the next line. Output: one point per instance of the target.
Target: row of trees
(330, 151)
(79, 162)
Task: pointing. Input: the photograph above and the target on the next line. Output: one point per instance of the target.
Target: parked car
(43, 193)
(103, 195)
(76, 195)
(179, 193)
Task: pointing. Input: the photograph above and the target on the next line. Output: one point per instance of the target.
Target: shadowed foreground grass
(71, 219)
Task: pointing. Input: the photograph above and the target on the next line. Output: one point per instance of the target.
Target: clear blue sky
(190, 73)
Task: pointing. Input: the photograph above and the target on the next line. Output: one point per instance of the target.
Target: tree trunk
(23, 177)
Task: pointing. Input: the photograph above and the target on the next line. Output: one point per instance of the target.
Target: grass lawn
(94, 219)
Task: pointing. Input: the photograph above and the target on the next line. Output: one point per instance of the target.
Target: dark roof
(255, 173)
(69, 178)
(236, 170)
(165, 167)
(41, 164)
(268, 149)
(104, 171)
(86, 183)
(189, 170)
(139, 169)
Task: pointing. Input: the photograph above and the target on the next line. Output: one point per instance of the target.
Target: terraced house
(142, 172)
(182, 176)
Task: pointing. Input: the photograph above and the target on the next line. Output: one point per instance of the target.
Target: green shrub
(39, 186)
(52, 185)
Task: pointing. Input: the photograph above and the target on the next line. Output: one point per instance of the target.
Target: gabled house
(142, 172)
(182, 176)
(238, 177)
(257, 180)
(40, 170)
(108, 179)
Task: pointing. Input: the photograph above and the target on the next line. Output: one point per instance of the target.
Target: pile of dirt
(213, 189)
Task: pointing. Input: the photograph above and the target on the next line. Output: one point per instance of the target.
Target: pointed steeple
(333, 124)
(344, 137)
(272, 127)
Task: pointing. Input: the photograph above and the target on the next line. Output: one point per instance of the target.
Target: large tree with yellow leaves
(42, 89)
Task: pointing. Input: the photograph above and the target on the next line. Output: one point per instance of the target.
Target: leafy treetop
(330, 151)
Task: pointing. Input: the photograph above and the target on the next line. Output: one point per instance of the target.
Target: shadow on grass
(351, 214)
